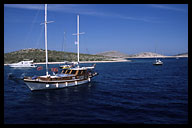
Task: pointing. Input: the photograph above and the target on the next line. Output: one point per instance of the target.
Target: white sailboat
(68, 77)
(157, 61)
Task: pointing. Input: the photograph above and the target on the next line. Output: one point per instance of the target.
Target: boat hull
(157, 63)
(19, 66)
(23, 64)
(35, 85)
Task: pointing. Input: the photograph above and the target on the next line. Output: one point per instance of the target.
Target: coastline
(83, 62)
(158, 57)
(112, 61)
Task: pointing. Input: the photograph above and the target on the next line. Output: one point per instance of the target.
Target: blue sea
(134, 92)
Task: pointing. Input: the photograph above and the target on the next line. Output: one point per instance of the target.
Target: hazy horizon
(103, 52)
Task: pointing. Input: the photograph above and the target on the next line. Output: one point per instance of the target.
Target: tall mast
(46, 53)
(46, 39)
(78, 39)
(156, 51)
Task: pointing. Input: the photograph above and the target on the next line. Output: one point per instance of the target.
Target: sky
(127, 28)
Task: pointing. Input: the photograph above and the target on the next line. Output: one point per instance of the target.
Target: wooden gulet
(68, 77)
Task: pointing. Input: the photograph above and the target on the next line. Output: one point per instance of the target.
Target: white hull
(157, 63)
(22, 66)
(56, 85)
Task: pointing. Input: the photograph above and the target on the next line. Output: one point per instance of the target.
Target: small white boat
(158, 62)
(23, 64)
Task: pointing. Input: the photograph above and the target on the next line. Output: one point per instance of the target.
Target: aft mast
(78, 39)
(46, 53)
(63, 44)
(46, 40)
(155, 55)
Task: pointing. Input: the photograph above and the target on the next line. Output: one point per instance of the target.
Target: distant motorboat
(158, 62)
(23, 64)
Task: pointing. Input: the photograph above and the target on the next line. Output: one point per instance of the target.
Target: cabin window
(67, 71)
(83, 72)
(63, 71)
(79, 73)
(73, 72)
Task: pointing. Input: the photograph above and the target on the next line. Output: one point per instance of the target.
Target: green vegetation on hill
(38, 55)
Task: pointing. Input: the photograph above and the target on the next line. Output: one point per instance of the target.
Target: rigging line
(64, 43)
(86, 45)
(40, 37)
(32, 26)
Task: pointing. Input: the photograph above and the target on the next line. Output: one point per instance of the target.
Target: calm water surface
(126, 92)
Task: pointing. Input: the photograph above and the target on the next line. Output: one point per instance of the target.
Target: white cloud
(84, 9)
(167, 7)
(25, 6)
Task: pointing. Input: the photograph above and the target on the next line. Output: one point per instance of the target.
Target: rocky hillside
(146, 55)
(122, 55)
(38, 55)
(113, 54)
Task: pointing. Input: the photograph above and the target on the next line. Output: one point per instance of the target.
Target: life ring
(55, 69)
(39, 68)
